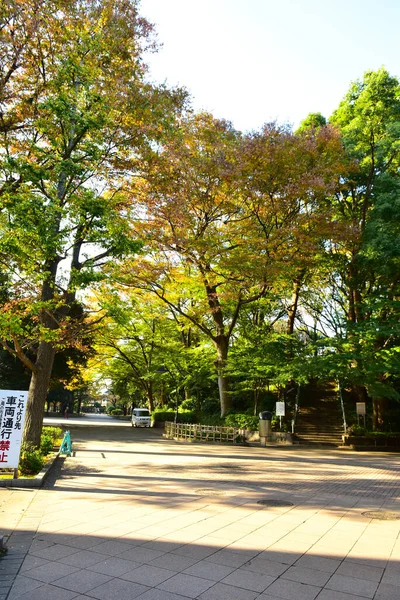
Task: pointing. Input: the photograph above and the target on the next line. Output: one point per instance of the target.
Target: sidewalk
(151, 519)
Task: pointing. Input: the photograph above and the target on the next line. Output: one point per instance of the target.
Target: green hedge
(242, 421)
(186, 416)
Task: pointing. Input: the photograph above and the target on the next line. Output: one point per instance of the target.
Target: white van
(141, 417)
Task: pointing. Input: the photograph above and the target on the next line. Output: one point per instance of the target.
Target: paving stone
(54, 552)
(82, 581)
(309, 576)
(50, 572)
(221, 591)
(209, 570)
(83, 559)
(196, 550)
(286, 557)
(111, 547)
(352, 585)
(164, 546)
(361, 571)
(112, 566)
(391, 578)
(248, 580)
(84, 541)
(22, 585)
(288, 590)
(117, 589)
(265, 566)
(310, 561)
(387, 592)
(173, 562)
(32, 562)
(48, 592)
(148, 576)
(7, 577)
(155, 594)
(186, 584)
(228, 558)
(140, 554)
(332, 595)
(266, 596)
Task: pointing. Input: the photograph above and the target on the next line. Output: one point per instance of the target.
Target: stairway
(319, 419)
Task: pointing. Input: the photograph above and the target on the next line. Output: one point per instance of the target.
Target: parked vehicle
(141, 417)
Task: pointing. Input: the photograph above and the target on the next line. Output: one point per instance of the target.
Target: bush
(46, 445)
(356, 430)
(242, 421)
(212, 420)
(31, 461)
(278, 425)
(186, 416)
(55, 433)
(117, 412)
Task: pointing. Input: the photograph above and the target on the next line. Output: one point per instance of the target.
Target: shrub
(212, 420)
(242, 421)
(31, 461)
(278, 425)
(55, 433)
(356, 430)
(117, 412)
(186, 416)
(46, 445)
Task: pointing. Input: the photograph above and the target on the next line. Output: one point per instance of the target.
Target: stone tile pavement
(132, 515)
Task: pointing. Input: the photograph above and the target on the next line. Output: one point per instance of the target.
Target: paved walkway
(152, 519)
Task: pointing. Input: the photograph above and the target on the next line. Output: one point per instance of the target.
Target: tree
(366, 263)
(74, 107)
(226, 216)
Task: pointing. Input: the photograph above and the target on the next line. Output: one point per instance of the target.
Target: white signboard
(361, 408)
(12, 415)
(280, 409)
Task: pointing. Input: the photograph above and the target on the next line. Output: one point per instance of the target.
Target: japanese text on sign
(280, 409)
(12, 415)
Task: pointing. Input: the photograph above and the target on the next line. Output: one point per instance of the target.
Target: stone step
(319, 435)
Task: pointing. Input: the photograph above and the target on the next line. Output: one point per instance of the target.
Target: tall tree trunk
(379, 406)
(292, 310)
(37, 395)
(162, 397)
(150, 399)
(79, 406)
(221, 344)
(256, 396)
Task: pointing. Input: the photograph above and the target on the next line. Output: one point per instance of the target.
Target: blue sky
(253, 61)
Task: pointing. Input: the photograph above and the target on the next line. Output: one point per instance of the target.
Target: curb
(33, 482)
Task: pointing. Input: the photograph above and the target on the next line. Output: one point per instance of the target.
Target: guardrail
(203, 433)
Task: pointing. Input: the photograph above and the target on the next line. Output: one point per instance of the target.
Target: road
(133, 515)
(87, 420)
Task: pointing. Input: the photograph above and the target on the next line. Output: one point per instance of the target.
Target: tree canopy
(183, 256)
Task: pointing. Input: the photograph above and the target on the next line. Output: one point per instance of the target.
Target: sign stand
(280, 412)
(12, 416)
(66, 444)
(361, 411)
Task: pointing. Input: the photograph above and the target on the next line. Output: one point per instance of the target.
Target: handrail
(296, 407)
(342, 405)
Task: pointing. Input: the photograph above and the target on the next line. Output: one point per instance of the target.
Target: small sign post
(280, 412)
(361, 411)
(12, 416)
